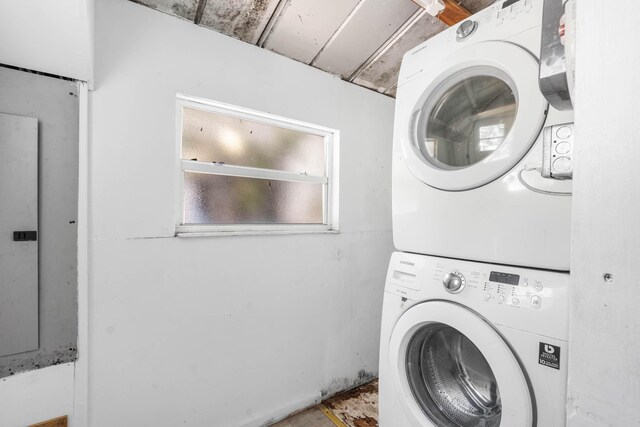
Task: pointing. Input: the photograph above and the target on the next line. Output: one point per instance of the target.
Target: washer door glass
(467, 121)
(451, 380)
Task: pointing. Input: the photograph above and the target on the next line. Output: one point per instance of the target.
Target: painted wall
(55, 37)
(36, 396)
(604, 386)
(223, 331)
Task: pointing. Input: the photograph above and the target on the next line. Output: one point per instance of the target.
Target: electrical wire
(537, 190)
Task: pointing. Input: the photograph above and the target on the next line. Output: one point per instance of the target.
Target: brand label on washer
(549, 355)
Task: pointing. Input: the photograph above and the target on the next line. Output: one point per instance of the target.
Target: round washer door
(479, 115)
(452, 369)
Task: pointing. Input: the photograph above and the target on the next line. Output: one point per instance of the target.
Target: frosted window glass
(217, 199)
(211, 137)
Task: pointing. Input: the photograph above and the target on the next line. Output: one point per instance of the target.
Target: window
(244, 171)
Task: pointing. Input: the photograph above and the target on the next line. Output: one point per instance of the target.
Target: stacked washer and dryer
(475, 313)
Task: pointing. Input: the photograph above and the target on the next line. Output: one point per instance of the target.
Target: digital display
(509, 3)
(506, 278)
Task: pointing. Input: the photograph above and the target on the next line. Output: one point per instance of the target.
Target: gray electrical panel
(18, 234)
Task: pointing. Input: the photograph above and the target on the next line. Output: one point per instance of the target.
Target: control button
(515, 301)
(536, 301)
(453, 282)
(466, 29)
(563, 164)
(564, 132)
(487, 295)
(501, 299)
(538, 287)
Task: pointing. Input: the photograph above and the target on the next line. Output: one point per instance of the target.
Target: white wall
(222, 331)
(604, 373)
(55, 37)
(36, 396)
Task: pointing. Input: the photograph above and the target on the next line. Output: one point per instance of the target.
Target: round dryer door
(452, 369)
(479, 115)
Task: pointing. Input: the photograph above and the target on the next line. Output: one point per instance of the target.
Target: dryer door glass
(467, 120)
(471, 117)
(451, 380)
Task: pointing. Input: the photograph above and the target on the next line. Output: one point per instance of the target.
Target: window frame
(329, 180)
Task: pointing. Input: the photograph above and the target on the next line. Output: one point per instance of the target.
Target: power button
(536, 301)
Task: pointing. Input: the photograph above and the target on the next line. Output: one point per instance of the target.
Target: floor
(313, 417)
(353, 408)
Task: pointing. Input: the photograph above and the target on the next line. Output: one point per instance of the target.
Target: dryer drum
(451, 380)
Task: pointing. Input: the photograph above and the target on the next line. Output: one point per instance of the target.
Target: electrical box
(18, 234)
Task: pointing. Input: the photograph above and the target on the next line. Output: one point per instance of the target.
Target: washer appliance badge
(549, 355)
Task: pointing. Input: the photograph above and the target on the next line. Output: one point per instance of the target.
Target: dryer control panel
(503, 20)
(511, 9)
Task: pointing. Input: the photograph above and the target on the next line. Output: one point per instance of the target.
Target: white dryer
(467, 149)
(472, 344)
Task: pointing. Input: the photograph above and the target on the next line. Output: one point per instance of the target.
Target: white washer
(489, 350)
(468, 121)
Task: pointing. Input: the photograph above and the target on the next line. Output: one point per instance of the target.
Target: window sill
(221, 233)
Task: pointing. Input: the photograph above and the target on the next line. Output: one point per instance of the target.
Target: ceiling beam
(200, 11)
(273, 21)
(386, 45)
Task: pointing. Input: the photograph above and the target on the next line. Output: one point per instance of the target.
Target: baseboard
(284, 411)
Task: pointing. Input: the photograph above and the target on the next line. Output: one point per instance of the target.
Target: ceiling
(362, 41)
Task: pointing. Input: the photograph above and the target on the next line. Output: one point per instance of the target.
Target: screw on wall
(608, 277)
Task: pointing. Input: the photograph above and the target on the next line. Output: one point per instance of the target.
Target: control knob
(453, 282)
(466, 29)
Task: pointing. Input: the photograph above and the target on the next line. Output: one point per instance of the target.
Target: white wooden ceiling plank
(185, 9)
(241, 19)
(305, 26)
(367, 30)
(382, 74)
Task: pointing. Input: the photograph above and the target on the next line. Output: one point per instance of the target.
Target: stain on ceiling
(362, 41)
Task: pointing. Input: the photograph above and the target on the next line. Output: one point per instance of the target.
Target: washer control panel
(507, 296)
(495, 286)
(513, 290)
